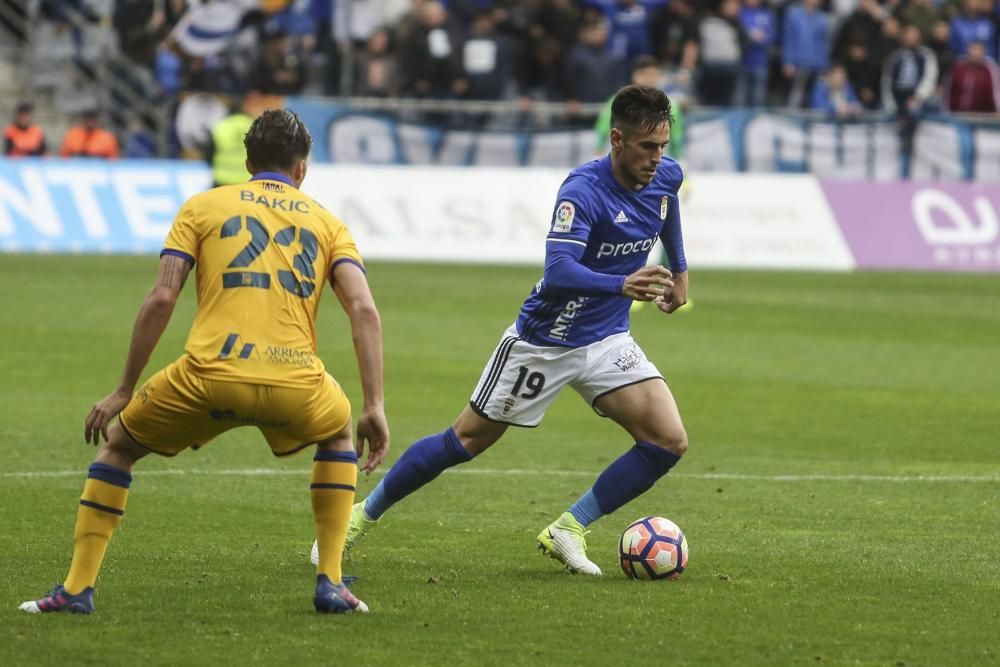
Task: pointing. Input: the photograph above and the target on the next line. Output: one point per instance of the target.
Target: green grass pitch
(840, 495)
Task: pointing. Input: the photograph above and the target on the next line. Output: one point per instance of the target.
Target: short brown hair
(277, 140)
(640, 107)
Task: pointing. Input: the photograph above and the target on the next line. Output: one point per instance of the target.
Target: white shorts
(521, 380)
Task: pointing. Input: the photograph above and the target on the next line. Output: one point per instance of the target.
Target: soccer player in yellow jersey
(261, 252)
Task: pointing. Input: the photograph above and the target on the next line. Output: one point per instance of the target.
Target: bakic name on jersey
(560, 328)
(274, 202)
(628, 248)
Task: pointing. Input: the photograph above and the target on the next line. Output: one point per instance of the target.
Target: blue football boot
(334, 598)
(59, 600)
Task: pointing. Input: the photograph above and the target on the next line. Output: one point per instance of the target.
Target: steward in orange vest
(89, 139)
(22, 138)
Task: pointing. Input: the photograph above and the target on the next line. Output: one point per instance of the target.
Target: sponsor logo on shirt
(560, 328)
(288, 356)
(563, 221)
(621, 249)
(621, 218)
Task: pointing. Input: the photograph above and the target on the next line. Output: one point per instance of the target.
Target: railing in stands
(124, 87)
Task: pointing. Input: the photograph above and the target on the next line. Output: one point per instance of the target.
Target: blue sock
(629, 476)
(586, 509)
(420, 463)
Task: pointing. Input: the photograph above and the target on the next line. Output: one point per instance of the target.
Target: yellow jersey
(262, 251)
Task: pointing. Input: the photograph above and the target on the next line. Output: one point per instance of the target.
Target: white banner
(449, 214)
(502, 215)
(773, 221)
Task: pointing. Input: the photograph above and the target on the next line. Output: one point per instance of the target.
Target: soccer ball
(653, 548)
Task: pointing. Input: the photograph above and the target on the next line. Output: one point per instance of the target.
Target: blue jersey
(602, 232)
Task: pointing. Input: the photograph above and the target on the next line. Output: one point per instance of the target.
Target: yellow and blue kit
(262, 251)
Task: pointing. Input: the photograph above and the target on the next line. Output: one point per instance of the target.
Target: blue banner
(739, 140)
(944, 147)
(92, 205)
(343, 135)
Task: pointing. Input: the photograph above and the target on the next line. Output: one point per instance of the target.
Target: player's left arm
(673, 242)
(351, 286)
(154, 314)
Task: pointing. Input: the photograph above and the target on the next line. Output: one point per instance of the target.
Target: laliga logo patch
(663, 207)
(565, 213)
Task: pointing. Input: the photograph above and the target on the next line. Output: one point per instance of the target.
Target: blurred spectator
(168, 68)
(909, 80)
(909, 76)
(864, 73)
(973, 24)
(196, 115)
(720, 48)
(226, 151)
(886, 42)
(281, 69)
(23, 138)
(674, 31)
(805, 49)
(140, 26)
(940, 44)
(140, 144)
(296, 20)
(860, 27)
(592, 71)
(833, 94)
(630, 29)
(486, 59)
(208, 28)
(549, 31)
(428, 55)
(760, 27)
(376, 66)
(89, 139)
(973, 86)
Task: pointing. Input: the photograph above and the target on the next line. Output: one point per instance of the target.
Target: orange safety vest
(81, 142)
(25, 140)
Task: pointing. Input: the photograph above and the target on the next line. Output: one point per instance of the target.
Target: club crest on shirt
(565, 213)
(663, 207)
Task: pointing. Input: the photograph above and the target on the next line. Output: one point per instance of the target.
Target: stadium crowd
(835, 56)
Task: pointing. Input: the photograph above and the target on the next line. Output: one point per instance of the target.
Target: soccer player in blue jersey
(573, 329)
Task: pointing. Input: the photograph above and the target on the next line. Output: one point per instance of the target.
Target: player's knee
(119, 453)
(675, 442)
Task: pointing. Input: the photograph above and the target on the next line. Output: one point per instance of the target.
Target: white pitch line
(266, 472)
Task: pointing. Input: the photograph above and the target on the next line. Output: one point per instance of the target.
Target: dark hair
(277, 140)
(640, 107)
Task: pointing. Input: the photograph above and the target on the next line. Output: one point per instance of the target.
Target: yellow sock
(101, 508)
(334, 476)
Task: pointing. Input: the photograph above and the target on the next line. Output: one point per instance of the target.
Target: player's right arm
(566, 242)
(351, 286)
(154, 314)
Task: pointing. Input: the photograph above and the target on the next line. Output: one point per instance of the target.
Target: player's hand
(675, 297)
(648, 283)
(374, 430)
(102, 414)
